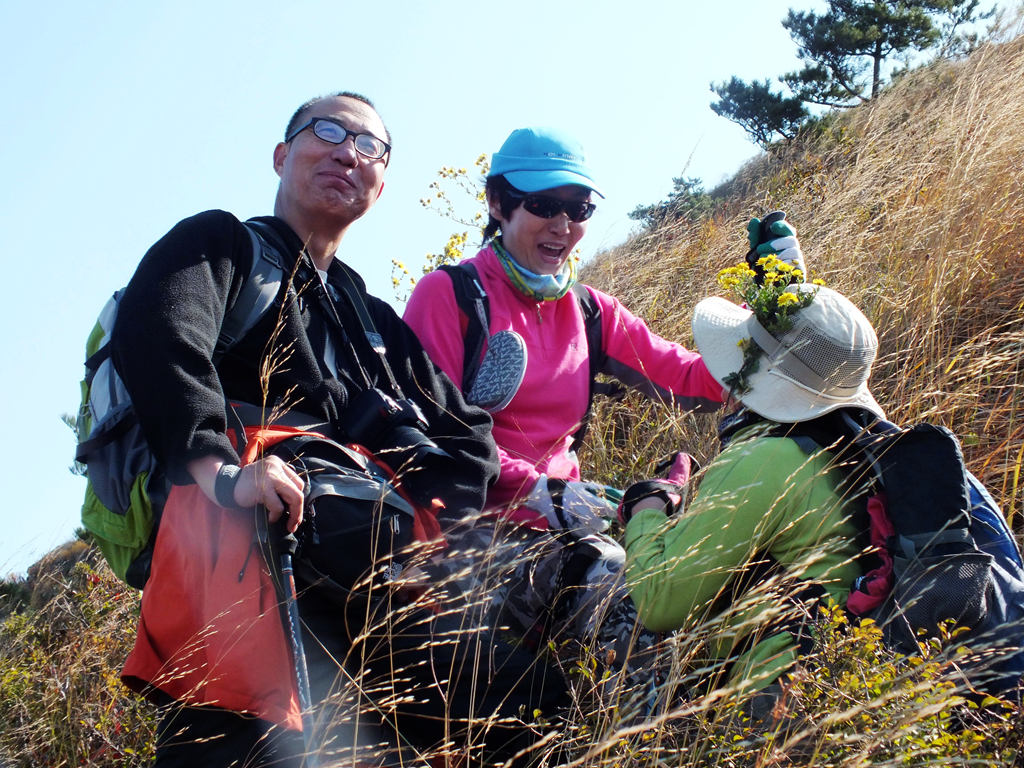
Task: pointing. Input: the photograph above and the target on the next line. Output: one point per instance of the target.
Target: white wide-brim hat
(820, 364)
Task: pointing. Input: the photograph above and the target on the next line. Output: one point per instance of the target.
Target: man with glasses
(210, 644)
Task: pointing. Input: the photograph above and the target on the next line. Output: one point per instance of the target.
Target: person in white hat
(770, 525)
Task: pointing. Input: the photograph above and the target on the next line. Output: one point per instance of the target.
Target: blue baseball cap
(532, 159)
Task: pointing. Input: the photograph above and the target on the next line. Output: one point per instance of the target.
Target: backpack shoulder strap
(920, 468)
(851, 435)
(592, 325)
(270, 247)
(472, 301)
(258, 293)
(596, 357)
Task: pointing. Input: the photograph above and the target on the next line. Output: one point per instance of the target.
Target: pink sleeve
(516, 480)
(657, 367)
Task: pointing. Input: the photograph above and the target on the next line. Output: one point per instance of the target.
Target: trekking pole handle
(287, 541)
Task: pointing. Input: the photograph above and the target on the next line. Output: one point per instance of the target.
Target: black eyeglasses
(330, 130)
(547, 207)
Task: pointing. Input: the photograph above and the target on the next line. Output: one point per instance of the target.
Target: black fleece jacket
(167, 327)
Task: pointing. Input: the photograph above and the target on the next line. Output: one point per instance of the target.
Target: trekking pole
(287, 544)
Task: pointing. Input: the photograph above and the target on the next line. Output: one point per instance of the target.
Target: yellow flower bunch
(732, 277)
(768, 292)
(787, 299)
(777, 272)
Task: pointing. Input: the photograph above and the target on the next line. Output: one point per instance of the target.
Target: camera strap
(373, 337)
(324, 294)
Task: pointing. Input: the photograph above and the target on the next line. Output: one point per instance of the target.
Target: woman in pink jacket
(539, 197)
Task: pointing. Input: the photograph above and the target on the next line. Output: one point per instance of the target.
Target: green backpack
(126, 489)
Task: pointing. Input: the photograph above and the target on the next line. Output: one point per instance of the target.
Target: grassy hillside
(913, 206)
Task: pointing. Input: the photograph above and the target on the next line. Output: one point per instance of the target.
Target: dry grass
(913, 206)
(61, 700)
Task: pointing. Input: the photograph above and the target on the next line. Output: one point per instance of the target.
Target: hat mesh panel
(837, 364)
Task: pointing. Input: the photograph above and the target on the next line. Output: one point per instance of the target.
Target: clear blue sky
(124, 117)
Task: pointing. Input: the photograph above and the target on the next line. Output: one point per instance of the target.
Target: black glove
(670, 491)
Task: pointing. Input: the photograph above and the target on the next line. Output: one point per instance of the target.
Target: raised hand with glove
(774, 236)
(666, 495)
(573, 505)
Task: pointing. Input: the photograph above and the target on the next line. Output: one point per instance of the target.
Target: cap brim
(718, 328)
(537, 181)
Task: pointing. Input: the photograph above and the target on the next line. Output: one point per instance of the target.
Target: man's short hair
(300, 113)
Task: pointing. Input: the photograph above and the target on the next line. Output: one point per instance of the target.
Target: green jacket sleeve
(760, 496)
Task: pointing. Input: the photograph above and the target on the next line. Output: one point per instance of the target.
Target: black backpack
(472, 301)
(946, 554)
(126, 488)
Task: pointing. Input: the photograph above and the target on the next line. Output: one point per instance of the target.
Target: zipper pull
(245, 565)
(540, 320)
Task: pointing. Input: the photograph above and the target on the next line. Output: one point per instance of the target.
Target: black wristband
(556, 490)
(224, 485)
(645, 489)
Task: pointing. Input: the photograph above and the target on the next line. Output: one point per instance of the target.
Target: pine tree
(844, 50)
(842, 45)
(763, 114)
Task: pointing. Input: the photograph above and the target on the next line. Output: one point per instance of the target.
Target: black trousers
(217, 738)
(389, 682)
(427, 674)
(431, 669)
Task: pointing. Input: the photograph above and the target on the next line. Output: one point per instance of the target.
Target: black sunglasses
(330, 130)
(548, 207)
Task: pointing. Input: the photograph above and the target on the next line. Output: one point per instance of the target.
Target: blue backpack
(947, 551)
(1002, 626)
